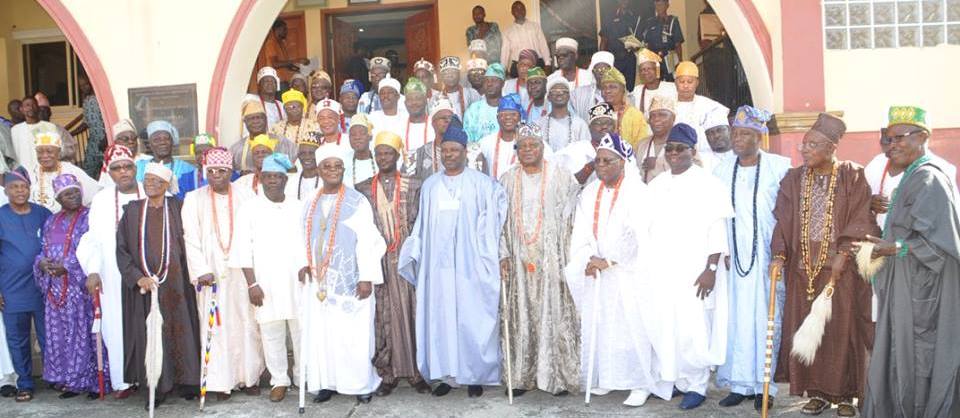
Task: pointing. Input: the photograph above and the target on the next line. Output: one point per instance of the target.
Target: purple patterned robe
(70, 355)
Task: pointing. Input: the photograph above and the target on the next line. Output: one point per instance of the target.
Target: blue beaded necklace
(733, 200)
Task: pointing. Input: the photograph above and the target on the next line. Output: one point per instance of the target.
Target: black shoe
(364, 398)
(516, 392)
(561, 393)
(323, 396)
(68, 394)
(161, 398)
(476, 391)
(441, 389)
(733, 399)
(93, 395)
(8, 391)
(677, 392)
(758, 403)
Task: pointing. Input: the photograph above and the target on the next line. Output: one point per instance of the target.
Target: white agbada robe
(302, 188)
(576, 155)
(626, 327)
(356, 171)
(414, 136)
(340, 329)
(236, 356)
(690, 211)
(243, 186)
(97, 253)
(558, 133)
(41, 186)
(583, 78)
(383, 122)
(697, 113)
(665, 89)
(505, 157)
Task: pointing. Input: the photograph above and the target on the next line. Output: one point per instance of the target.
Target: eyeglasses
(605, 161)
(819, 145)
(677, 148)
(123, 167)
(887, 140)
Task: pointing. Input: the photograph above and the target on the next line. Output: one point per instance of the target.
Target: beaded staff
(768, 352)
(97, 315)
(213, 319)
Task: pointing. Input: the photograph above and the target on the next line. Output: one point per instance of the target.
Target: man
(16, 116)
(349, 100)
(810, 246)
(417, 131)
(717, 131)
(451, 89)
(390, 117)
(320, 87)
(268, 85)
(48, 144)
(344, 248)
(269, 250)
(329, 116)
(480, 118)
(8, 155)
(423, 70)
(753, 178)
(458, 283)
(20, 298)
(359, 163)
(578, 157)
(295, 127)
(476, 68)
(164, 139)
(566, 51)
(913, 366)
(652, 157)
(522, 34)
(694, 319)
(299, 83)
(232, 353)
(277, 54)
(662, 35)
(97, 254)
(585, 97)
(561, 128)
(70, 353)
(693, 109)
(150, 257)
(23, 136)
(631, 125)
(303, 184)
(648, 70)
(539, 308)
(425, 160)
(623, 22)
(610, 236)
(498, 148)
(255, 124)
(536, 104)
(379, 71)
(395, 199)
(488, 32)
(517, 84)
(260, 148)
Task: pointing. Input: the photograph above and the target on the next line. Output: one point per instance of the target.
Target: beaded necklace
(518, 212)
(275, 103)
(42, 197)
(733, 221)
(161, 275)
(812, 270)
(569, 128)
(320, 271)
(613, 202)
(395, 243)
(59, 302)
(406, 136)
(296, 137)
(353, 168)
(316, 184)
(216, 223)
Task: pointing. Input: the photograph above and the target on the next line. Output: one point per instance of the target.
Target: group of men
(575, 237)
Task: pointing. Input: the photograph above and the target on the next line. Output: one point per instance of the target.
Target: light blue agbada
(749, 295)
(480, 120)
(452, 258)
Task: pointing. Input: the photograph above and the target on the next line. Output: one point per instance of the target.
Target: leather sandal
(815, 406)
(846, 410)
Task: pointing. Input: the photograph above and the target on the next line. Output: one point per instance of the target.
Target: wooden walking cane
(506, 337)
(97, 315)
(593, 335)
(768, 354)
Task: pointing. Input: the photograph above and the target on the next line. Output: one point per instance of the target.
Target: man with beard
(536, 104)
(561, 127)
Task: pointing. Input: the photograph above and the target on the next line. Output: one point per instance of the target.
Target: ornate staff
(506, 336)
(97, 315)
(154, 354)
(593, 335)
(768, 360)
(213, 319)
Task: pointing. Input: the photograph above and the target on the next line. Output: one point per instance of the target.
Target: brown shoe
(278, 393)
(815, 406)
(385, 389)
(124, 394)
(846, 410)
(422, 387)
(252, 391)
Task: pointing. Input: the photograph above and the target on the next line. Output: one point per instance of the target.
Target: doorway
(403, 32)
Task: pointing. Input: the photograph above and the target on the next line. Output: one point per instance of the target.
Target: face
(416, 103)
(609, 166)
(479, 14)
(70, 199)
(29, 108)
(744, 141)
(359, 138)
(453, 155)
(154, 186)
(508, 120)
(492, 87)
(307, 154)
(566, 58)
(48, 156)
(450, 77)
(425, 77)
(687, 86)
(523, 65)
(661, 6)
(127, 139)
(906, 143)
(386, 157)
(816, 149)
(885, 142)
(218, 177)
(679, 156)
(648, 72)
(530, 152)
(719, 138)
(84, 85)
(559, 95)
(281, 31)
(259, 153)
(273, 182)
(518, 10)
(376, 75)
(661, 121)
(612, 92)
(298, 84)
(329, 122)
(537, 87)
(320, 89)
(600, 127)
(13, 108)
(389, 98)
(441, 120)
(267, 85)
(18, 192)
(349, 102)
(123, 173)
(294, 110)
(475, 77)
(256, 123)
(162, 144)
(598, 71)
(331, 171)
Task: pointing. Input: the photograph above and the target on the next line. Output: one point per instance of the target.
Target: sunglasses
(678, 148)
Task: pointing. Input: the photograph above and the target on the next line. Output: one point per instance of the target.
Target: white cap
(329, 104)
(600, 57)
(557, 79)
(476, 64)
(477, 45)
(268, 72)
(568, 43)
(389, 82)
(330, 150)
(441, 104)
(159, 170)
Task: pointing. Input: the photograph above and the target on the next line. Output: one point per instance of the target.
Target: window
(862, 24)
(52, 67)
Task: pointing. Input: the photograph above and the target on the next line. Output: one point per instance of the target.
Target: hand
(146, 285)
(882, 248)
(837, 264)
(504, 268)
(587, 168)
(879, 203)
(364, 289)
(205, 280)
(256, 296)
(776, 267)
(705, 283)
(93, 283)
(304, 274)
(600, 263)
(649, 163)
(56, 269)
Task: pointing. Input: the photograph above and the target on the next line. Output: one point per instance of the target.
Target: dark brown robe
(838, 373)
(178, 304)
(396, 344)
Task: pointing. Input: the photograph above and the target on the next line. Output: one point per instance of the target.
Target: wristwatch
(899, 245)
(712, 267)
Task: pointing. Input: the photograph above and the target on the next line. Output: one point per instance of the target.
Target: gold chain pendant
(321, 295)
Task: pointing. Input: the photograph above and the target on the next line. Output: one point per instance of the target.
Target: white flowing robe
(235, 353)
(697, 114)
(690, 211)
(626, 326)
(41, 186)
(749, 295)
(97, 254)
(340, 329)
(505, 157)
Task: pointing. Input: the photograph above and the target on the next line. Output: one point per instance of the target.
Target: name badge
(451, 204)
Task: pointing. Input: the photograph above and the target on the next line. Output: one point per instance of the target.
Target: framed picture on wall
(176, 104)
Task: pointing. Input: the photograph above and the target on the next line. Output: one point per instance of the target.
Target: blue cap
(16, 174)
(511, 103)
(455, 132)
(276, 163)
(683, 133)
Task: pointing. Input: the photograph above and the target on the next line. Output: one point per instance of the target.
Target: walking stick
(213, 318)
(593, 335)
(97, 315)
(506, 336)
(153, 357)
(304, 329)
(768, 359)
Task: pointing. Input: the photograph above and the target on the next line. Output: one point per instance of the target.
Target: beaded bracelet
(255, 284)
(904, 248)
